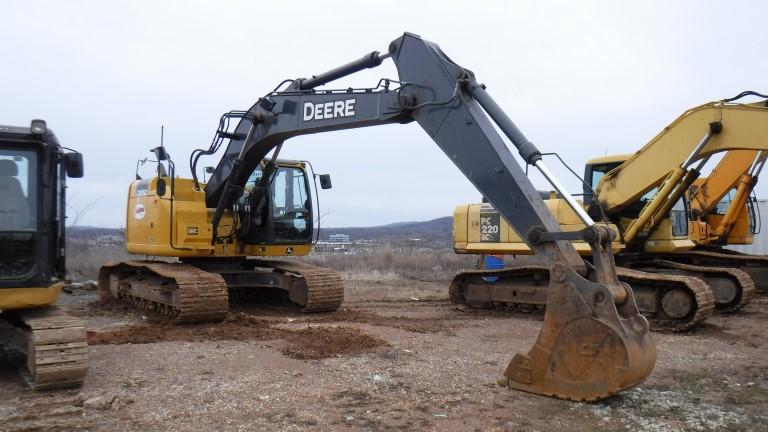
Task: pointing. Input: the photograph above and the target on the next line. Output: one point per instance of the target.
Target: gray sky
(580, 78)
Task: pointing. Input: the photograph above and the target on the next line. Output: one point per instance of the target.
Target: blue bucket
(492, 262)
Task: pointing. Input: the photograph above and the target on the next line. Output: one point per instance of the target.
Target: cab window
(18, 189)
(290, 205)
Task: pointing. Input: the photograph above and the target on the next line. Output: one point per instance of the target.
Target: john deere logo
(139, 212)
(329, 110)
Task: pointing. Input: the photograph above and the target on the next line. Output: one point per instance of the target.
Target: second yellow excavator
(641, 195)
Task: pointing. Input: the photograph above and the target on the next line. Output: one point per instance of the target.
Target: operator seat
(14, 206)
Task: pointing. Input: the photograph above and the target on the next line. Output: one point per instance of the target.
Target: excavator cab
(672, 233)
(33, 173)
(280, 213)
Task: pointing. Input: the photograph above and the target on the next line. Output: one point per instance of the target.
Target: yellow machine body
(180, 226)
(479, 229)
(29, 297)
(654, 172)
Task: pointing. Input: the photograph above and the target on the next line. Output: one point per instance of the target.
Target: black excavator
(593, 342)
(33, 171)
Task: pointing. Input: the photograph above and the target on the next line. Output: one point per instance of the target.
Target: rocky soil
(397, 356)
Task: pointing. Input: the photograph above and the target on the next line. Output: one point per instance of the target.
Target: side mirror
(161, 187)
(73, 165)
(160, 153)
(325, 181)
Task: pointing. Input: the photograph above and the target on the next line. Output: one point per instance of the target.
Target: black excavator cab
(33, 172)
(281, 212)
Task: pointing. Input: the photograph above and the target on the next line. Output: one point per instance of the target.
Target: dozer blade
(588, 348)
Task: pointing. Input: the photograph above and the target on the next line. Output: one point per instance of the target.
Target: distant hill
(431, 230)
(89, 232)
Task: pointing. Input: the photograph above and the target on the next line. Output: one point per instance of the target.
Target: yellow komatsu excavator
(642, 196)
(593, 342)
(51, 345)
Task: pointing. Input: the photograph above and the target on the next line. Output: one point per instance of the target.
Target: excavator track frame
(756, 266)
(743, 285)
(180, 291)
(189, 294)
(496, 295)
(318, 289)
(55, 346)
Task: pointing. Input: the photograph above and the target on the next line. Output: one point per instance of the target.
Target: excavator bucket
(588, 348)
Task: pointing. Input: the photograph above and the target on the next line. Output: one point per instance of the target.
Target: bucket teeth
(587, 349)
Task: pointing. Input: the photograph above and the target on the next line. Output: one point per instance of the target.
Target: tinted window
(598, 171)
(679, 218)
(724, 203)
(290, 206)
(18, 190)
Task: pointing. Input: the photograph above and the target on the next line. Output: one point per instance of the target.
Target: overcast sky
(579, 78)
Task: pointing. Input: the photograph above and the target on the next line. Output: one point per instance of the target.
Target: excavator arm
(739, 170)
(441, 96)
(594, 342)
(735, 168)
(672, 161)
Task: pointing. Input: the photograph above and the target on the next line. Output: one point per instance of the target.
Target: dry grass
(422, 264)
(84, 259)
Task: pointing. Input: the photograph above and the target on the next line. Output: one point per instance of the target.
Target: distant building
(339, 238)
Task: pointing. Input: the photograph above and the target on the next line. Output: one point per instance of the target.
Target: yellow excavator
(593, 342)
(33, 172)
(642, 196)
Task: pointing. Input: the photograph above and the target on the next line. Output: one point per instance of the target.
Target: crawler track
(323, 287)
(525, 287)
(754, 265)
(729, 302)
(181, 291)
(704, 299)
(189, 294)
(55, 345)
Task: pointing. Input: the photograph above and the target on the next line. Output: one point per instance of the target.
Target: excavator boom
(717, 126)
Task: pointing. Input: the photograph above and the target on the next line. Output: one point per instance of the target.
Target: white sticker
(139, 212)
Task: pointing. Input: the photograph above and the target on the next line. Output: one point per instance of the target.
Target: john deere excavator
(593, 342)
(640, 194)
(33, 172)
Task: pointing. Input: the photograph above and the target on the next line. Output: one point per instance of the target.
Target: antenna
(162, 132)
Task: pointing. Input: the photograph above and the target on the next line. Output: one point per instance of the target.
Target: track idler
(590, 346)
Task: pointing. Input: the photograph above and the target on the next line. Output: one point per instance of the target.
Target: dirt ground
(397, 356)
